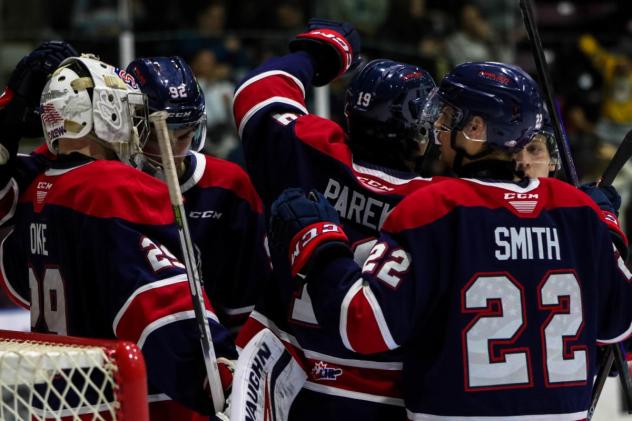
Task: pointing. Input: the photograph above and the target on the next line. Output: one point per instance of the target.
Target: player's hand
(335, 47)
(304, 226)
(21, 98)
(606, 197)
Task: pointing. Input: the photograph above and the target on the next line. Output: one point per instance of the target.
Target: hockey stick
(159, 120)
(623, 154)
(543, 73)
(569, 169)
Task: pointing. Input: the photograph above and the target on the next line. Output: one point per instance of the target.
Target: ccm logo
(310, 235)
(340, 41)
(521, 195)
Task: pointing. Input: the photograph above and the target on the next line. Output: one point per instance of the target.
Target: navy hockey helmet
(170, 85)
(383, 105)
(504, 95)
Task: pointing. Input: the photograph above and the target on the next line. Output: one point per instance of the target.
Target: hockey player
(540, 157)
(223, 209)
(515, 282)
(363, 172)
(93, 247)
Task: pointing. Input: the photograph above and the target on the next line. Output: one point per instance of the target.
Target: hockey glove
(609, 201)
(305, 227)
(335, 47)
(21, 97)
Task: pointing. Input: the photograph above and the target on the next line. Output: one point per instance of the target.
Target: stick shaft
(159, 119)
(623, 154)
(549, 95)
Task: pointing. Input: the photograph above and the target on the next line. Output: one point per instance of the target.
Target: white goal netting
(44, 380)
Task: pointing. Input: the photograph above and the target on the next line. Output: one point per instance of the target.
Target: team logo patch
(321, 371)
(127, 78)
(50, 115)
(495, 76)
(522, 202)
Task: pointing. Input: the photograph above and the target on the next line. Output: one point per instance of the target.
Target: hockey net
(50, 377)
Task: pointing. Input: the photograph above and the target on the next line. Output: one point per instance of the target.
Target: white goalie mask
(86, 96)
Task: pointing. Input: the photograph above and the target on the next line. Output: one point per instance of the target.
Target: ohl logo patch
(320, 371)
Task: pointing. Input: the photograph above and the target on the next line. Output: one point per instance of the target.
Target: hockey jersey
(497, 293)
(93, 252)
(285, 146)
(225, 217)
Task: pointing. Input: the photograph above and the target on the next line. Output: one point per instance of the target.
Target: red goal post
(45, 377)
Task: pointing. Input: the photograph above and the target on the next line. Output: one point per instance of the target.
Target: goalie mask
(86, 97)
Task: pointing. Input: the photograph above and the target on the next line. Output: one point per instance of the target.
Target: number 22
(499, 303)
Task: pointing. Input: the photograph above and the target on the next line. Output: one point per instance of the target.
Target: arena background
(588, 45)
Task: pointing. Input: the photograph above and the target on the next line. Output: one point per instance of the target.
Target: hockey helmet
(504, 95)
(383, 106)
(86, 96)
(170, 85)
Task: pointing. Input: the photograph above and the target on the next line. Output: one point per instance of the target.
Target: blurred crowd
(588, 45)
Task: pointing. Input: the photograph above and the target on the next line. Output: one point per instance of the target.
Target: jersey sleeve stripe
(237, 311)
(621, 337)
(363, 328)
(6, 285)
(171, 318)
(264, 75)
(253, 110)
(8, 201)
(152, 302)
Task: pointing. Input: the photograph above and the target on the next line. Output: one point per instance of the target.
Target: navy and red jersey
(497, 293)
(285, 146)
(225, 218)
(93, 253)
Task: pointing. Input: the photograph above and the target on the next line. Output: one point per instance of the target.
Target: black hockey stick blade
(600, 381)
(624, 376)
(623, 154)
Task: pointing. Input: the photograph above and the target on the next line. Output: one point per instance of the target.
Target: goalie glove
(334, 46)
(306, 228)
(19, 103)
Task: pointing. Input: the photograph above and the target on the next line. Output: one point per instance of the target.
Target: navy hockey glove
(21, 97)
(609, 201)
(305, 227)
(606, 197)
(335, 47)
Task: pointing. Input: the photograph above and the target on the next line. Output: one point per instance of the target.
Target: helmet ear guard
(85, 96)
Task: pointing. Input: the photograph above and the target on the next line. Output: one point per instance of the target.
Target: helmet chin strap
(457, 164)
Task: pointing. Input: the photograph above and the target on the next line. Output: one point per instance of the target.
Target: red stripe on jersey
(230, 176)
(6, 97)
(44, 151)
(325, 136)
(362, 328)
(357, 379)
(154, 304)
(426, 205)
(275, 85)
(104, 189)
(253, 326)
